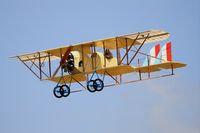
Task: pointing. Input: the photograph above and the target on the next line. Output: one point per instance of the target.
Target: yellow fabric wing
(69, 78)
(109, 43)
(158, 67)
(117, 70)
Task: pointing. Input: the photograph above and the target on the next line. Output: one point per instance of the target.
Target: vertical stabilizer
(154, 53)
(158, 56)
(167, 52)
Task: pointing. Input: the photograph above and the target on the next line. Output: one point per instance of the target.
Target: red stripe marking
(157, 49)
(169, 51)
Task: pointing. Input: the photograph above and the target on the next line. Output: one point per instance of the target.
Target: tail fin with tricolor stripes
(158, 55)
(154, 53)
(167, 52)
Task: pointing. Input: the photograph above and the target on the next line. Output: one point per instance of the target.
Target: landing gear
(91, 85)
(61, 91)
(99, 85)
(95, 85)
(65, 90)
(56, 92)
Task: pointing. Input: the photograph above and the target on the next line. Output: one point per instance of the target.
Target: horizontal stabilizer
(158, 67)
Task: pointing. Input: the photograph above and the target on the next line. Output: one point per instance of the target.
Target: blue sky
(163, 105)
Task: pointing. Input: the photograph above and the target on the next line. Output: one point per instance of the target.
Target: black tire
(56, 91)
(64, 90)
(99, 85)
(90, 86)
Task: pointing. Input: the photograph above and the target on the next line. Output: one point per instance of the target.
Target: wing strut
(138, 49)
(129, 48)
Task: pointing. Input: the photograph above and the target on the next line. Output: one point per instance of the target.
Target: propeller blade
(62, 61)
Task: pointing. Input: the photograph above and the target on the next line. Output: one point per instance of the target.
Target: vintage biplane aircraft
(89, 63)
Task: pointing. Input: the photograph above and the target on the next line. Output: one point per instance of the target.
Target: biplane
(89, 64)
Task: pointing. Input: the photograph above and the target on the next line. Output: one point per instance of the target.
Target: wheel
(90, 86)
(57, 91)
(99, 85)
(64, 90)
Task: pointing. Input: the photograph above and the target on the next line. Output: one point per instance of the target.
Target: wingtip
(11, 57)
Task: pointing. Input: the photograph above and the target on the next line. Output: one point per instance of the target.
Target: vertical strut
(91, 47)
(172, 69)
(49, 56)
(104, 51)
(83, 58)
(148, 66)
(40, 66)
(139, 70)
(120, 78)
(126, 50)
(95, 57)
(117, 51)
(61, 58)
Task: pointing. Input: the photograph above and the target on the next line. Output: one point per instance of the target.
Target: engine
(68, 66)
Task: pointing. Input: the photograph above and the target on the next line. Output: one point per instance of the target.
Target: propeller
(62, 61)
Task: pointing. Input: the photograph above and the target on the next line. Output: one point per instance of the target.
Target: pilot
(108, 54)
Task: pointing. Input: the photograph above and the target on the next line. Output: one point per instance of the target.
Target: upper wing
(109, 43)
(35, 56)
(55, 53)
(132, 39)
(154, 36)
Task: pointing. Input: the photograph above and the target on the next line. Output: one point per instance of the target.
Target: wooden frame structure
(41, 63)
